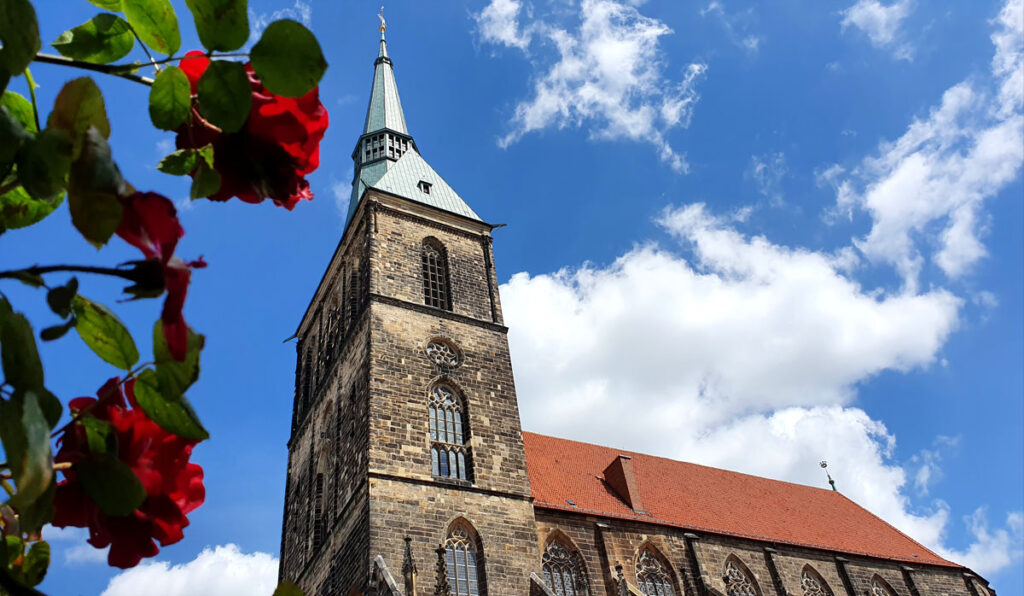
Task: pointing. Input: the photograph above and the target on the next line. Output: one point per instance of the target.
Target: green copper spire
(386, 157)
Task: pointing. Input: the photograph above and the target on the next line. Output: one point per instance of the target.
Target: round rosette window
(443, 354)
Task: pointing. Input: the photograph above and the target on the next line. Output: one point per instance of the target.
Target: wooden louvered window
(652, 576)
(449, 454)
(463, 563)
(564, 571)
(319, 526)
(435, 275)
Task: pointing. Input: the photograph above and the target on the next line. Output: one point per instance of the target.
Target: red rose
(174, 487)
(150, 223)
(269, 157)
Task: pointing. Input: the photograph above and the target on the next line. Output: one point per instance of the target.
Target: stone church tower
(408, 474)
(405, 414)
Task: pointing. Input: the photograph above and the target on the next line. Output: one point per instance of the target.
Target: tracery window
(564, 571)
(435, 275)
(879, 587)
(319, 526)
(449, 455)
(462, 562)
(738, 581)
(813, 584)
(652, 576)
(442, 354)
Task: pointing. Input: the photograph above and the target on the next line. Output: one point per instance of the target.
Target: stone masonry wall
(622, 541)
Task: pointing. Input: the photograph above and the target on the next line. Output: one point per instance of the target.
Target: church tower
(405, 449)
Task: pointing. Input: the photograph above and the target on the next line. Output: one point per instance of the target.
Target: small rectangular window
(424, 187)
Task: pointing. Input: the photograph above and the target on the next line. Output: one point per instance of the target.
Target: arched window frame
(654, 575)
(464, 560)
(739, 581)
(565, 572)
(880, 587)
(813, 584)
(448, 429)
(435, 273)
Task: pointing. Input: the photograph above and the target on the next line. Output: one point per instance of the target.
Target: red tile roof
(700, 498)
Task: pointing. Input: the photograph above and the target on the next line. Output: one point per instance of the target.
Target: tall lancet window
(738, 580)
(463, 560)
(564, 570)
(435, 275)
(652, 575)
(449, 455)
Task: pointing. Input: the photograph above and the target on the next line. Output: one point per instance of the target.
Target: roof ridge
(688, 463)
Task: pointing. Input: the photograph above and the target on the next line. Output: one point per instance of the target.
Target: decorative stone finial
(623, 588)
(442, 588)
(409, 569)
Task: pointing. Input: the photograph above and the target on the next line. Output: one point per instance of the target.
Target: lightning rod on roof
(832, 483)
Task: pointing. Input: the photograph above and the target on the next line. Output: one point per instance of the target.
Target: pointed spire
(409, 566)
(442, 587)
(385, 111)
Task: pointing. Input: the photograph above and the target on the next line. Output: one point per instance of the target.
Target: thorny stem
(36, 270)
(32, 93)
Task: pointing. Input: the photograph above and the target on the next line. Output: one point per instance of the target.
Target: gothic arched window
(738, 580)
(449, 455)
(564, 570)
(435, 275)
(880, 587)
(813, 584)
(463, 561)
(652, 575)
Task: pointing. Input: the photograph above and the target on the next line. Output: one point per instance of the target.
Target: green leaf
(155, 22)
(18, 209)
(12, 136)
(288, 59)
(205, 183)
(14, 547)
(100, 436)
(175, 376)
(43, 164)
(225, 95)
(111, 484)
(57, 331)
(21, 109)
(287, 588)
(93, 190)
(34, 516)
(223, 25)
(25, 433)
(21, 364)
(100, 40)
(170, 99)
(175, 415)
(19, 35)
(112, 5)
(79, 106)
(180, 163)
(37, 561)
(104, 333)
(59, 298)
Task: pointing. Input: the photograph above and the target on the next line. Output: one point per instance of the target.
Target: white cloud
(223, 571)
(342, 191)
(499, 24)
(607, 76)
(72, 541)
(736, 25)
(940, 172)
(299, 11)
(881, 23)
(743, 347)
(991, 550)
(768, 172)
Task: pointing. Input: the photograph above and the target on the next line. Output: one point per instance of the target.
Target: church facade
(409, 474)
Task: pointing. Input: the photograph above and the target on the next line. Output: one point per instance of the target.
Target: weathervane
(824, 466)
(383, 23)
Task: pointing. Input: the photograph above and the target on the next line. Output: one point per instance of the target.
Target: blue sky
(770, 236)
